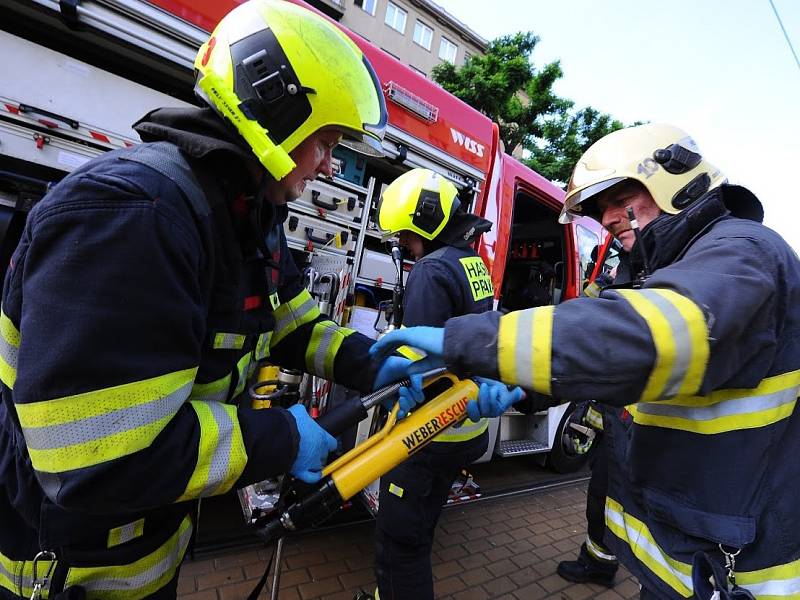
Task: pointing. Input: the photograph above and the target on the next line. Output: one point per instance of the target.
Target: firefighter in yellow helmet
(146, 289)
(448, 280)
(701, 347)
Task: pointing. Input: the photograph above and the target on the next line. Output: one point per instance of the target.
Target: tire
(563, 457)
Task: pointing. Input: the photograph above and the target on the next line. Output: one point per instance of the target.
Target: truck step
(519, 447)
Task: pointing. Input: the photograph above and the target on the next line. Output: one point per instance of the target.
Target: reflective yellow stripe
(262, 346)
(779, 582)
(593, 418)
(724, 410)
(245, 367)
(637, 536)
(468, 430)
(17, 576)
(213, 391)
(506, 347)
(125, 533)
(87, 429)
(592, 290)
(410, 353)
(599, 551)
(9, 350)
(290, 315)
(679, 333)
(524, 348)
(221, 456)
(326, 339)
(138, 579)
(229, 341)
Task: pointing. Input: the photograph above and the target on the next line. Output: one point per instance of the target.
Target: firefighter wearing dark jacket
(449, 279)
(704, 348)
(146, 287)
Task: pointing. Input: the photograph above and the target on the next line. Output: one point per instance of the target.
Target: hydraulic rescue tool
(445, 404)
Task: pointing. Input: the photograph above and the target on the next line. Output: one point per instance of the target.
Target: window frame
(442, 43)
(424, 27)
(397, 10)
(367, 2)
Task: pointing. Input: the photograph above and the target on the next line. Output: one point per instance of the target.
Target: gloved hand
(428, 339)
(315, 445)
(493, 399)
(394, 368)
(407, 397)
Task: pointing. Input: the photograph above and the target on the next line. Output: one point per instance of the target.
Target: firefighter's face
(313, 158)
(413, 242)
(613, 205)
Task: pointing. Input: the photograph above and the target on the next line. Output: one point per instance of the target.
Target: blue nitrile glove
(428, 339)
(314, 447)
(392, 369)
(407, 397)
(493, 399)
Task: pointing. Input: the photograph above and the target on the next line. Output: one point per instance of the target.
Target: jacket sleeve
(429, 295)
(307, 340)
(105, 330)
(692, 329)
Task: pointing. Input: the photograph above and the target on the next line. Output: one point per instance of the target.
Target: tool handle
(339, 419)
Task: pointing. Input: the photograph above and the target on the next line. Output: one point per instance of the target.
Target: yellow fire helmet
(421, 201)
(663, 158)
(279, 72)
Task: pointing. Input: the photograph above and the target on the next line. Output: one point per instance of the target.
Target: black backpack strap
(167, 159)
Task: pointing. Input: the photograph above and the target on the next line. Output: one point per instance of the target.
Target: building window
(368, 6)
(396, 17)
(447, 50)
(423, 35)
(467, 56)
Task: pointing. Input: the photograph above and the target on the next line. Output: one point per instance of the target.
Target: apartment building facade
(418, 32)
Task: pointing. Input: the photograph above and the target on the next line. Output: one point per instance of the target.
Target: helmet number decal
(647, 167)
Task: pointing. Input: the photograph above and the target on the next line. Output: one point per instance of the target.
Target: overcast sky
(720, 69)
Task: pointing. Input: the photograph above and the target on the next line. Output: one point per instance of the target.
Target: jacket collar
(667, 237)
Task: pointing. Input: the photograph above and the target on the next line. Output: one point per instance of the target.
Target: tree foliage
(505, 85)
(564, 139)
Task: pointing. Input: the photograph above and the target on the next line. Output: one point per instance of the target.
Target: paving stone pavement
(501, 548)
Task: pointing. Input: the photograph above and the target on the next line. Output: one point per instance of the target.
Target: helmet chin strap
(639, 245)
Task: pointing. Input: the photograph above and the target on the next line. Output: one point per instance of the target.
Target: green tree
(564, 139)
(504, 85)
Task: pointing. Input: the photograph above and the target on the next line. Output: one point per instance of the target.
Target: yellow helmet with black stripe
(279, 72)
(421, 201)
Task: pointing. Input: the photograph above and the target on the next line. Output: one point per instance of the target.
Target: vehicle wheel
(571, 447)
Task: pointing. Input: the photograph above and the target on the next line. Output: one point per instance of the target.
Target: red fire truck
(77, 74)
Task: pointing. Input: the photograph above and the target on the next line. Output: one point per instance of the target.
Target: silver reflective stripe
(294, 315)
(135, 582)
(229, 341)
(127, 532)
(724, 408)
(524, 349)
(681, 337)
(101, 426)
(262, 347)
(20, 581)
(789, 588)
(8, 352)
(321, 353)
(220, 461)
(599, 551)
(644, 544)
